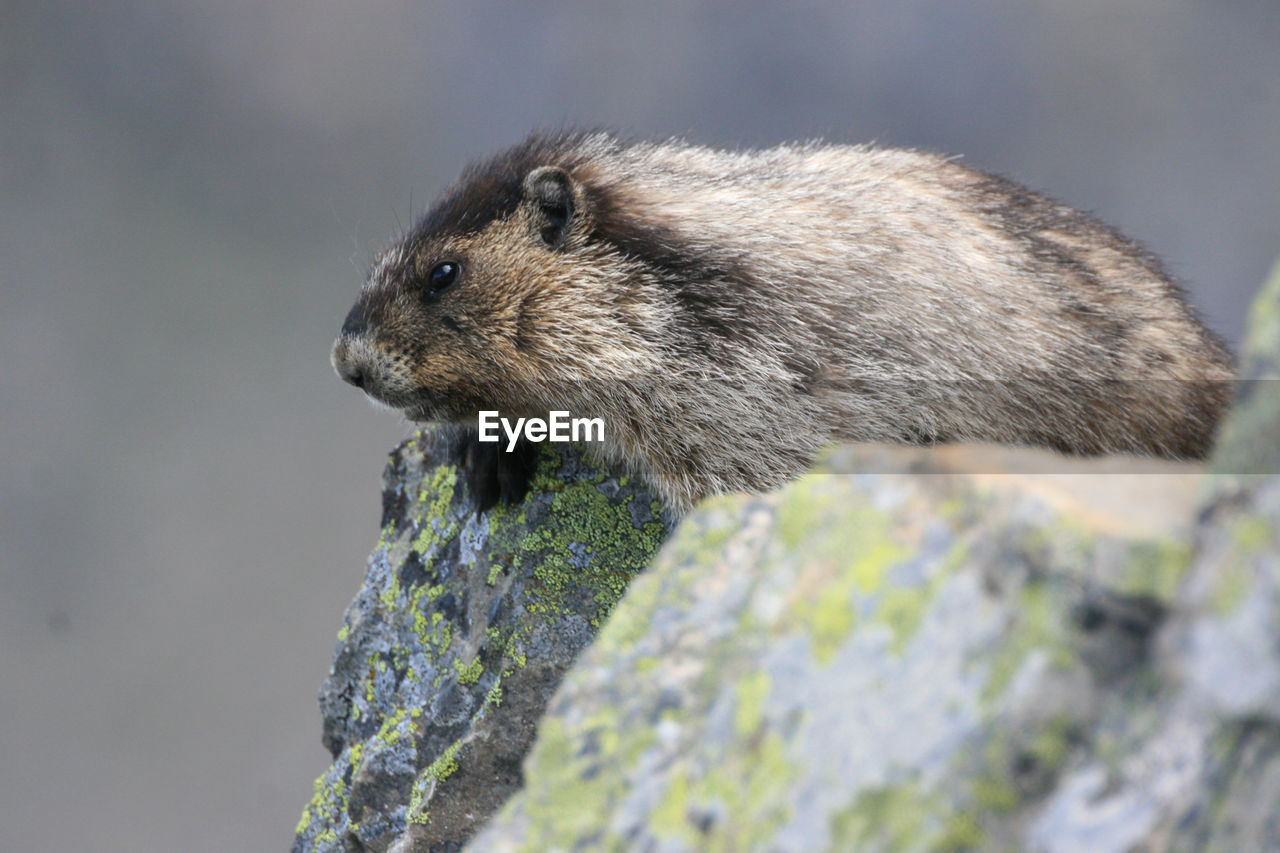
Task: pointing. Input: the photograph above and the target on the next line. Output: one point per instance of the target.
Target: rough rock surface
(887, 655)
(462, 630)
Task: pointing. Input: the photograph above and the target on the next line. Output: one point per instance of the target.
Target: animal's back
(974, 307)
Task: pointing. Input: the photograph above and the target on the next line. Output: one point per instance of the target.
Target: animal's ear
(550, 193)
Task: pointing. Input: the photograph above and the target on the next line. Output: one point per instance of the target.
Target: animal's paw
(495, 474)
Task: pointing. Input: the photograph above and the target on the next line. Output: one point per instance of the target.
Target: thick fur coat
(729, 313)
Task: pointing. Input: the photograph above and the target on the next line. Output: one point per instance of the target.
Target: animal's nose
(355, 376)
(347, 368)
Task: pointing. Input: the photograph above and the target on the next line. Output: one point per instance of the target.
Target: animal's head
(507, 293)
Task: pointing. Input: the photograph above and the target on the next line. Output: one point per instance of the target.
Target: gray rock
(858, 662)
(455, 642)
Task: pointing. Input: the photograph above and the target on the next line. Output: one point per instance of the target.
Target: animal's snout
(348, 368)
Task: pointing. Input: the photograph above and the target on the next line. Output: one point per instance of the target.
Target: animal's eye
(442, 275)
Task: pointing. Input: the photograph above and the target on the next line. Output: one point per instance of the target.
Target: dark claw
(492, 473)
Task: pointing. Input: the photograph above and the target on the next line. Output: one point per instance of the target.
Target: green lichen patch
(1155, 568)
(1231, 585)
(815, 518)
(752, 691)
(631, 621)
(425, 785)
(567, 787)
(734, 804)
(990, 785)
(907, 816)
(1251, 535)
(1037, 624)
(868, 553)
(587, 541)
(670, 819)
(995, 794)
(890, 818)
(444, 766)
(962, 832)
(394, 727)
(1051, 744)
(326, 815)
(468, 673)
(903, 607)
(434, 502)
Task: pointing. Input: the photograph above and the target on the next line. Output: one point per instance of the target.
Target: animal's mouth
(362, 366)
(415, 407)
(412, 405)
(383, 398)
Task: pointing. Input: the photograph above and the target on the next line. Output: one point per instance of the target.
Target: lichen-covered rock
(861, 662)
(1188, 758)
(462, 630)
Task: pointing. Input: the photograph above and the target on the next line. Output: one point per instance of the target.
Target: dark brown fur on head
(503, 333)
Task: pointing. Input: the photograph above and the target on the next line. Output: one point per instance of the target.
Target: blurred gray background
(189, 195)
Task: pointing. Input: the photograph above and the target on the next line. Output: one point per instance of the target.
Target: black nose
(353, 375)
(348, 369)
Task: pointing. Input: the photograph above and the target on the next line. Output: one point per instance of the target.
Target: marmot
(729, 313)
